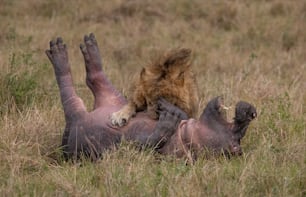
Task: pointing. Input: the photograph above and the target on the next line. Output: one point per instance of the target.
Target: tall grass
(244, 50)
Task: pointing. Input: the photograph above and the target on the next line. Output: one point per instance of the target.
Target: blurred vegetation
(251, 50)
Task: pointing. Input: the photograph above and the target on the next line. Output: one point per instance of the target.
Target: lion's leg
(101, 87)
(189, 104)
(121, 117)
(194, 99)
(189, 100)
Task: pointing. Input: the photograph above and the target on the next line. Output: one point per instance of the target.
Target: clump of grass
(21, 83)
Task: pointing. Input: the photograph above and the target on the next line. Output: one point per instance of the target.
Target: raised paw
(120, 118)
(245, 112)
(58, 56)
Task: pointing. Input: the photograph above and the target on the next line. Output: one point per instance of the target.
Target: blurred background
(252, 50)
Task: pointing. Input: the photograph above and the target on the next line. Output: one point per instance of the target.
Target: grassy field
(252, 50)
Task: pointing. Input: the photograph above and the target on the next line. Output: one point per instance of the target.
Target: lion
(169, 76)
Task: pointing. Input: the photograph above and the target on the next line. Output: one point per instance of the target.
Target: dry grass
(250, 50)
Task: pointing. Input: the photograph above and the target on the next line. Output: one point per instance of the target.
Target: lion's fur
(170, 76)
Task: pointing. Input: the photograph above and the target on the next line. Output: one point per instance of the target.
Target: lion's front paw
(120, 118)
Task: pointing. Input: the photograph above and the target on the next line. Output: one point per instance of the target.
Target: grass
(244, 50)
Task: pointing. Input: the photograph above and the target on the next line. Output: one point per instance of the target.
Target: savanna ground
(252, 50)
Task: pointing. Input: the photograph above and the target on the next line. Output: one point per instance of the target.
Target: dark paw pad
(123, 121)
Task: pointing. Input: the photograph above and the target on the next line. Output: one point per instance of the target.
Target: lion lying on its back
(169, 76)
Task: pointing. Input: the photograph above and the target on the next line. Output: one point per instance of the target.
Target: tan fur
(170, 76)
